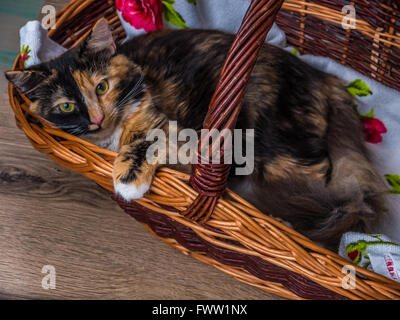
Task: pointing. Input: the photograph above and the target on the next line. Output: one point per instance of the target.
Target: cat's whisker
(127, 98)
(66, 126)
(132, 93)
(74, 130)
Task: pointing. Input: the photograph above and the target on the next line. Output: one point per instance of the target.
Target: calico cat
(311, 166)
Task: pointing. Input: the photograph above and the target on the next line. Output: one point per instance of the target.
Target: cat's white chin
(131, 192)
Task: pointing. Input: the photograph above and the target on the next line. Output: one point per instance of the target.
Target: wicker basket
(195, 214)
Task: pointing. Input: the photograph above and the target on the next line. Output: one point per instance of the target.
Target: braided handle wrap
(207, 178)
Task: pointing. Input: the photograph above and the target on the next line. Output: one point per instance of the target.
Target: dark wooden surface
(52, 216)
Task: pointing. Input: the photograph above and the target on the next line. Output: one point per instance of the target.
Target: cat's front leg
(132, 173)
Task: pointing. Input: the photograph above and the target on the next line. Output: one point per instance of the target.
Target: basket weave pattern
(237, 238)
(373, 48)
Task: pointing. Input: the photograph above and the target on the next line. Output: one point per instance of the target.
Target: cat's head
(86, 90)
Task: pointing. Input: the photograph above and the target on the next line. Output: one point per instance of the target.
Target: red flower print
(373, 129)
(141, 14)
(353, 254)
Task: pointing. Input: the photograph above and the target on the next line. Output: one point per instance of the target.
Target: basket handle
(207, 178)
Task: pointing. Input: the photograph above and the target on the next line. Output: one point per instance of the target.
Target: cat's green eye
(102, 87)
(67, 107)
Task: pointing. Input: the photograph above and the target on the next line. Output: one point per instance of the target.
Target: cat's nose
(98, 120)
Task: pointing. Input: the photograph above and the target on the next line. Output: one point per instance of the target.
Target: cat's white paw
(131, 191)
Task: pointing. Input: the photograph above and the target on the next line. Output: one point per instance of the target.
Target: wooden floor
(51, 216)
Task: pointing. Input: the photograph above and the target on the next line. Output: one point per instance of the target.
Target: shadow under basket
(196, 214)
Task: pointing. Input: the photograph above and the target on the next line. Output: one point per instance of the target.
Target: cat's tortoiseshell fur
(311, 167)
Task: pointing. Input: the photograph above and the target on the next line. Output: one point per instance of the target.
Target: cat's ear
(26, 80)
(100, 39)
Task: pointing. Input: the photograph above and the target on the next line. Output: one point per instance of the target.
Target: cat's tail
(355, 187)
(352, 200)
(323, 213)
